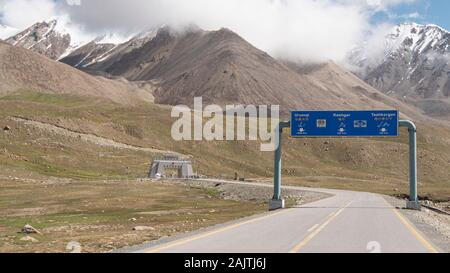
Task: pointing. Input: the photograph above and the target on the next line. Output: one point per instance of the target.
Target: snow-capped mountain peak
(43, 38)
(106, 47)
(409, 37)
(413, 64)
(419, 38)
(55, 38)
(60, 40)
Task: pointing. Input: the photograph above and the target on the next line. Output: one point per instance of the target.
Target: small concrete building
(161, 167)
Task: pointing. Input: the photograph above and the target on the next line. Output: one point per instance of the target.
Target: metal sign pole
(277, 202)
(413, 202)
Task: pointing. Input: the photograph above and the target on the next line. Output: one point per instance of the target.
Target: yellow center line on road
(211, 233)
(311, 236)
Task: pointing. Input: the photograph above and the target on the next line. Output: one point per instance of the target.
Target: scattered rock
(143, 228)
(29, 239)
(6, 128)
(132, 219)
(27, 229)
(109, 245)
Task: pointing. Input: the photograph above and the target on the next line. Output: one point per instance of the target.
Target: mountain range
(224, 68)
(220, 66)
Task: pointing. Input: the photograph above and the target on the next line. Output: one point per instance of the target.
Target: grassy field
(101, 215)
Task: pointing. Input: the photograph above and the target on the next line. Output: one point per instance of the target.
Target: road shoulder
(433, 225)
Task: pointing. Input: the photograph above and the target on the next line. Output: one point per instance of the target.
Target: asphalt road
(348, 222)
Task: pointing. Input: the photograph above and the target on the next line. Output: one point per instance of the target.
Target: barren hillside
(22, 69)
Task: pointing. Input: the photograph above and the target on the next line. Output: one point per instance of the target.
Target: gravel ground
(433, 225)
(444, 206)
(249, 192)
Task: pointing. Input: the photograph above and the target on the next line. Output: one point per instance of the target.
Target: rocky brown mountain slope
(22, 69)
(100, 50)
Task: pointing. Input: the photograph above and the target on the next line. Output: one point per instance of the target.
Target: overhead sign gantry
(346, 124)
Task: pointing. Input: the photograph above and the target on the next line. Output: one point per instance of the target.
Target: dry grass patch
(101, 215)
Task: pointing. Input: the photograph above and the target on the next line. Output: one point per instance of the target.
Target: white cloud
(73, 2)
(23, 13)
(405, 16)
(413, 15)
(372, 51)
(294, 29)
(384, 5)
(310, 30)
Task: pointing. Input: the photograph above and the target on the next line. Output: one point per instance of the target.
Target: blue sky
(421, 11)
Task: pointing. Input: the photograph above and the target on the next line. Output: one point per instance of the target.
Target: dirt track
(101, 141)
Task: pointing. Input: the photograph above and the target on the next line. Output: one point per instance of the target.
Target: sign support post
(413, 202)
(277, 202)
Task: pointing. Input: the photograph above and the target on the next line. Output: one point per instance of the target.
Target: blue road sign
(344, 124)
